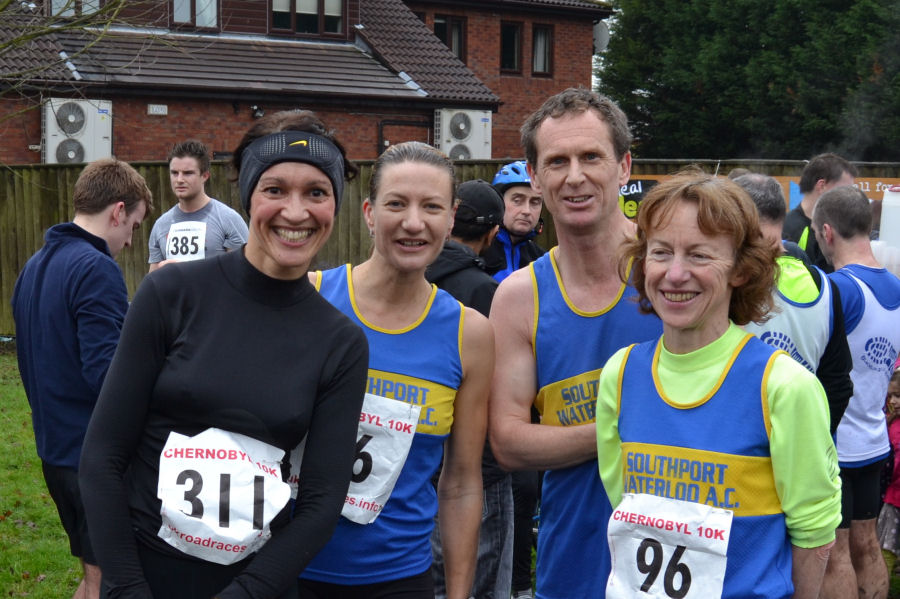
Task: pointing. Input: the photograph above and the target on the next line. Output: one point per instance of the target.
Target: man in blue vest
(556, 323)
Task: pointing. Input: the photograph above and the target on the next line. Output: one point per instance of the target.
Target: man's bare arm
(516, 442)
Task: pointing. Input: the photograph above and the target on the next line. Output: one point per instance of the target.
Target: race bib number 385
(220, 492)
(186, 241)
(667, 549)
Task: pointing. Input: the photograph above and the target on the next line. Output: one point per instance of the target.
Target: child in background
(889, 518)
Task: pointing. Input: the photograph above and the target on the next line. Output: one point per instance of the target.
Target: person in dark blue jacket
(68, 304)
(514, 246)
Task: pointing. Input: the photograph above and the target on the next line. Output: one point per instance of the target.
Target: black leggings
(177, 578)
(420, 586)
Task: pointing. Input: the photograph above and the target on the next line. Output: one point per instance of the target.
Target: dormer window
(452, 31)
(196, 13)
(308, 17)
(73, 8)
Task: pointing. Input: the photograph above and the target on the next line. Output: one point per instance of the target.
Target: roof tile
(211, 62)
(407, 45)
(28, 52)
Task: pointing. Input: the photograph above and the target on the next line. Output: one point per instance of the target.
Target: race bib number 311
(667, 549)
(220, 492)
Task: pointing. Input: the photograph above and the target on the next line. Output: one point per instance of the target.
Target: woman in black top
(224, 366)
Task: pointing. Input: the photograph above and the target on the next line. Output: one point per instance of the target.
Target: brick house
(461, 75)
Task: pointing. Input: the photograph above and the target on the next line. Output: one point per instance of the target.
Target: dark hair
(766, 193)
(465, 227)
(846, 209)
(288, 120)
(191, 148)
(722, 208)
(577, 100)
(738, 172)
(829, 167)
(410, 151)
(109, 181)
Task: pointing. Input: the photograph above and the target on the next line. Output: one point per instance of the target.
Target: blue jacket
(504, 256)
(69, 303)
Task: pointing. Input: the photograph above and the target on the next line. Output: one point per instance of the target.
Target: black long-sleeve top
(216, 343)
(836, 363)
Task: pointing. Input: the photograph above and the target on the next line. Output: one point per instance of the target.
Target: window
(311, 17)
(73, 8)
(511, 47)
(452, 31)
(198, 13)
(542, 50)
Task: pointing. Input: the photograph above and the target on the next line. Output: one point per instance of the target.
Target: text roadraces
(208, 542)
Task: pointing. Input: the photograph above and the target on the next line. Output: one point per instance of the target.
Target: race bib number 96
(667, 549)
(219, 492)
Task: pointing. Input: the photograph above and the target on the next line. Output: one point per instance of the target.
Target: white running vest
(862, 433)
(802, 329)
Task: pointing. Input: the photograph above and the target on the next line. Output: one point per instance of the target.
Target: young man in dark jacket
(459, 270)
(69, 303)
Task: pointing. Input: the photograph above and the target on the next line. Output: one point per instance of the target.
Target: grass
(34, 550)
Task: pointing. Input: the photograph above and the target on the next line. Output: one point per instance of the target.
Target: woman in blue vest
(714, 448)
(430, 364)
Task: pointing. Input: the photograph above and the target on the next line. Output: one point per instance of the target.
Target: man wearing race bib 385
(198, 226)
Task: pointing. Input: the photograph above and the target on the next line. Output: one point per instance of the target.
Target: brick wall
(138, 136)
(18, 130)
(521, 93)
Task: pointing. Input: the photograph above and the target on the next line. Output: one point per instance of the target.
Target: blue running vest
(420, 364)
(571, 347)
(715, 451)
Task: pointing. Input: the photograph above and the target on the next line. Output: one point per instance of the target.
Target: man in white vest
(808, 322)
(870, 296)
(198, 226)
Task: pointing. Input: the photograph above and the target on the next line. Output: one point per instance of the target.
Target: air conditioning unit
(76, 130)
(463, 134)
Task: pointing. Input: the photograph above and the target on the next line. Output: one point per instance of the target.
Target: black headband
(290, 146)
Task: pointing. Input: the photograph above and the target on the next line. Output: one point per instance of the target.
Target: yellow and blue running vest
(716, 452)
(571, 347)
(419, 364)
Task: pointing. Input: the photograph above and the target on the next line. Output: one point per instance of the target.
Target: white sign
(219, 492)
(386, 431)
(186, 241)
(667, 549)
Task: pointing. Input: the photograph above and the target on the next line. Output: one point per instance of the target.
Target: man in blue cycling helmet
(514, 246)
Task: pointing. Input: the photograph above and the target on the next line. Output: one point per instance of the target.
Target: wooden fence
(35, 197)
